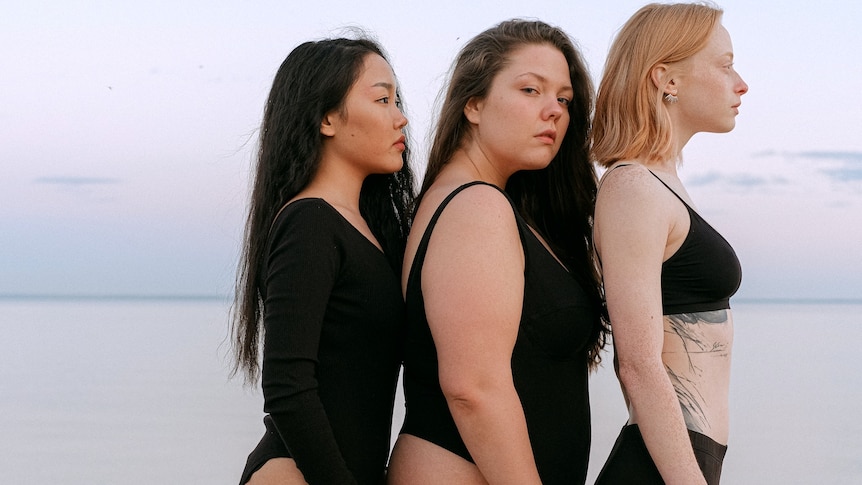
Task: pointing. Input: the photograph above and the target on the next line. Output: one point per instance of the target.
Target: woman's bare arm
(473, 284)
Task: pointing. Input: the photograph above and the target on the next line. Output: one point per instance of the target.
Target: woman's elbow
(636, 373)
(465, 395)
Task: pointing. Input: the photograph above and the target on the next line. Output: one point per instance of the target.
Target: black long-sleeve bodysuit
(333, 321)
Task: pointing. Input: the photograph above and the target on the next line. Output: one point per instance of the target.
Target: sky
(128, 130)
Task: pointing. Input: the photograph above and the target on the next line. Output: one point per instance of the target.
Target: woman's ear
(327, 126)
(660, 76)
(473, 110)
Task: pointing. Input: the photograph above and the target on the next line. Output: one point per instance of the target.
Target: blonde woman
(668, 275)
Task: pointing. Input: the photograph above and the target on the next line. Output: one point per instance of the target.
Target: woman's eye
(384, 100)
(530, 90)
(564, 101)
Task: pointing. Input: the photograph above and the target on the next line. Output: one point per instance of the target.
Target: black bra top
(703, 273)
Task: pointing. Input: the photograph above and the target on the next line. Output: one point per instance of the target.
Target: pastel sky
(127, 130)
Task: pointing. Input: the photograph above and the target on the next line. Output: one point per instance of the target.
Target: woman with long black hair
(319, 274)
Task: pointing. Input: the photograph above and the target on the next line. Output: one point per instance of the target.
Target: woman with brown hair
(503, 307)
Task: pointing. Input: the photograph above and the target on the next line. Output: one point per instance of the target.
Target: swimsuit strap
(671, 190)
(423, 244)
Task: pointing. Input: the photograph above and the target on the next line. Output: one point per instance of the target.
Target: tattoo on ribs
(689, 328)
(690, 401)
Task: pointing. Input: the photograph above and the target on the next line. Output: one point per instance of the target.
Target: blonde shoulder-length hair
(630, 120)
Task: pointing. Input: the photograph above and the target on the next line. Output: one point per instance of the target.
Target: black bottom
(270, 446)
(630, 462)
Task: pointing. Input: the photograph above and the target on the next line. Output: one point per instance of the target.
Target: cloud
(838, 166)
(764, 153)
(844, 166)
(710, 178)
(848, 157)
(833, 156)
(76, 181)
(737, 180)
(88, 190)
(843, 174)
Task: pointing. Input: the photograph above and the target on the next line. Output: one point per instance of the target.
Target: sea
(133, 391)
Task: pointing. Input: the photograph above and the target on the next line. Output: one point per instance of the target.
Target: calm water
(135, 392)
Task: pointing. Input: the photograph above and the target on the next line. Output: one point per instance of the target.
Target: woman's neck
(338, 188)
(473, 161)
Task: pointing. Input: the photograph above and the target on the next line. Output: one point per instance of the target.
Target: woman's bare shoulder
(631, 187)
(626, 177)
(480, 206)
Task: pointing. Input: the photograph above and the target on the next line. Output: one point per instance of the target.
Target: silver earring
(670, 98)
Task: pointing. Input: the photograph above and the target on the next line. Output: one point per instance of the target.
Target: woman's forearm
(655, 409)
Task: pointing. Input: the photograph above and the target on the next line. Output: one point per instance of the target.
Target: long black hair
(558, 200)
(312, 81)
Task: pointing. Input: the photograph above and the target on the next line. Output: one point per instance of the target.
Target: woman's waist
(702, 390)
